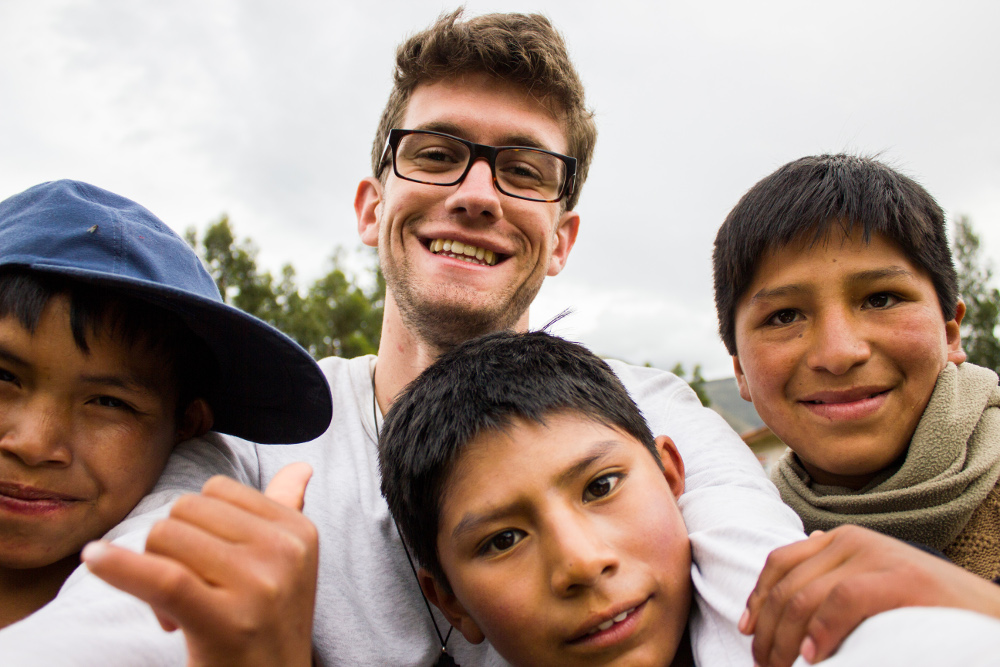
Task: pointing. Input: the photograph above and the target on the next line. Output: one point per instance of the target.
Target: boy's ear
(442, 598)
(953, 335)
(673, 464)
(741, 380)
(366, 201)
(197, 420)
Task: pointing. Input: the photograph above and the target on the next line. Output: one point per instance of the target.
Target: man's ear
(197, 420)
(366, 201)
(442, 598)
(953, 335)
(565, 238)
(673, 464)
(741, 380)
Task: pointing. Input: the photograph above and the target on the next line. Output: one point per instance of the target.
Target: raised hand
(233, 568)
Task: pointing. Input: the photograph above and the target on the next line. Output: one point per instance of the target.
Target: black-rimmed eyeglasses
(434, 158)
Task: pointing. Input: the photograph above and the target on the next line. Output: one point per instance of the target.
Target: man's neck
(403, 355)
(25, 591)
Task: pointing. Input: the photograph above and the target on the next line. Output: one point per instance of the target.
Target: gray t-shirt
(369, 607)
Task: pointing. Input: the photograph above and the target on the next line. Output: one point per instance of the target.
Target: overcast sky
(265, 110)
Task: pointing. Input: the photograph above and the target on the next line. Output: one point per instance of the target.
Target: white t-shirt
(369, 607)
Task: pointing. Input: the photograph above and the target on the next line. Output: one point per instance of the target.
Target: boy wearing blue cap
(114, 347)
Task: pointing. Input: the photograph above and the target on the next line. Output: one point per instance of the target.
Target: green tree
(982, 301)
(335, 317)
(697, 382)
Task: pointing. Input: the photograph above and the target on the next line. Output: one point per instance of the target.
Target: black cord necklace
(444, 660)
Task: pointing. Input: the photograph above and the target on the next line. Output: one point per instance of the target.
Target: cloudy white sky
(265, 110)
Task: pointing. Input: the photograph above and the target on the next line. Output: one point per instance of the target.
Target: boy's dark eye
(786, 316)
(503, 541)
(111, 402)
(6, 376)
(602, 486)
(881, 300)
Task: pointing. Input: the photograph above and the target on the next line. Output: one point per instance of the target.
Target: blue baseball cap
(268, 389)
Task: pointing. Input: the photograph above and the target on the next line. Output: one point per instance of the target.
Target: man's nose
(476, 195)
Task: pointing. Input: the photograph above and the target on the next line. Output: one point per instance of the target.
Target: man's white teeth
(459, 250)
(607, 624)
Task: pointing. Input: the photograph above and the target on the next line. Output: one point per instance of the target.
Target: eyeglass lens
(522, 172)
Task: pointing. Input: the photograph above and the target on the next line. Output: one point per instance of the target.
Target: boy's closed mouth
(609, 628)
(30, 500)
(846, 404)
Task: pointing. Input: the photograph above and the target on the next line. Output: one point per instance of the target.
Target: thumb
(288, 487)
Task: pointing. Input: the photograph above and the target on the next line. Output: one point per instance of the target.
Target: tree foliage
(982, 301)
(335, 317)
(697, 382)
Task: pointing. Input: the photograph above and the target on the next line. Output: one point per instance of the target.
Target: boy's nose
(477, 195)
(838, 344)
(37, 435)
(580, 556)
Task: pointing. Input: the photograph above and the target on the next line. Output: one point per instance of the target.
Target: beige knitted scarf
(952, 463)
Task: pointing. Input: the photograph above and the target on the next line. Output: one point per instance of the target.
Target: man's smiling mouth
(464, 252)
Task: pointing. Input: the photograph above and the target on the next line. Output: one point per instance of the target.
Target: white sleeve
(90, 623)
(920, 637)
(733, 513)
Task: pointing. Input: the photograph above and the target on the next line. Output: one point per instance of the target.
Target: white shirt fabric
(920, 637)
(369, 607)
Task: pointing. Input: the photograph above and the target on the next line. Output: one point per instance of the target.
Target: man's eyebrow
(454, 130)
(869, 275)
(471, 520)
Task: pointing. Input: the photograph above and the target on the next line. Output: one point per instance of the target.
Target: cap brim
(269, 390)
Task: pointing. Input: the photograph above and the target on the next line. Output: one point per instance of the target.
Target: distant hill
(725, 399)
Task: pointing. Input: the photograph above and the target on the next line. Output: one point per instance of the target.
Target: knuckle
(171, 588)
(799, 606)
(779, 594)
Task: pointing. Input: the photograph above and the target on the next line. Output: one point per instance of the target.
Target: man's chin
(445, 326)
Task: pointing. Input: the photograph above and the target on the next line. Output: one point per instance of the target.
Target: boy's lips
(853, 403)
(26, 499)
(609, 627)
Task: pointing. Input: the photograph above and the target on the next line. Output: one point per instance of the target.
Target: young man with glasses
(477, 167)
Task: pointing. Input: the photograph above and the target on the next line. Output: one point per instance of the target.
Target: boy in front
(541, 508)
(837, 298)
(111, 340)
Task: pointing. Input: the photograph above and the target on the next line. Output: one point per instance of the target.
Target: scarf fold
(952, 464)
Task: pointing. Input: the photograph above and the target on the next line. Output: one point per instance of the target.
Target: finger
(218, 517)
(783, 615)
(160, 582)
(779, 563)
(214, 559)
(288, 487)
(786, 632)
(847, 605)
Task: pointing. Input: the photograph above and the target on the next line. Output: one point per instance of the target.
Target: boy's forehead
(560, 447)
